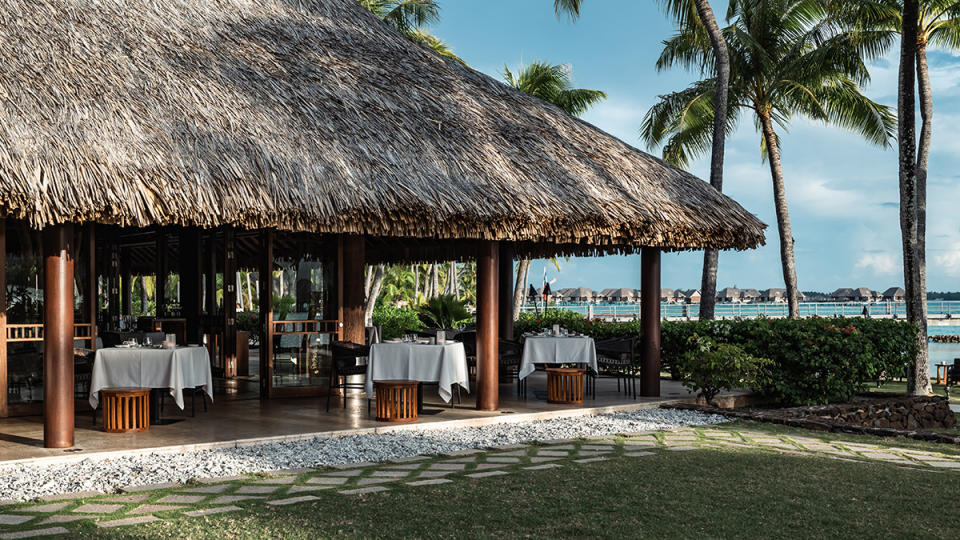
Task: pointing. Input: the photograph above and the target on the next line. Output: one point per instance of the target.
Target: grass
(901, 388)
(708, 492)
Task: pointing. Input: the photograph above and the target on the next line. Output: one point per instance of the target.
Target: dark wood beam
(650, 317)
(4, 412)
(229, 302)
(160, 292)
(266, 313)
(58, 381)
(488, 378)
(351, 279)
(505, 302)
(191, 268)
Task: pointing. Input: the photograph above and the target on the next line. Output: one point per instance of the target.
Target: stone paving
(212, 496)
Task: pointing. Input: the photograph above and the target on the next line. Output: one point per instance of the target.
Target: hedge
(813, 360)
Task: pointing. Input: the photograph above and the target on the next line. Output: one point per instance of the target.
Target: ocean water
(943, 352)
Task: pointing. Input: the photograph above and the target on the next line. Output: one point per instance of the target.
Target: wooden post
(92, 283)
(126, 282)
(350, 274)
(162, 268)
(505, 302)
(650, 317)
(190, 271)
(211, 299)
(3, 318)
(488, 378)
(58, 336)
(229, 303)
(266, 313)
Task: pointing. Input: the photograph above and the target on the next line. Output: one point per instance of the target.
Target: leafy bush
(813, 360)
(707, 367)
(444, 311)
(395, 321)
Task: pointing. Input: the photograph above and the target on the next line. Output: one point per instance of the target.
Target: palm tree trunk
(918, 382)
(372, 295)
(143, 295)
(454, 279)
(435, 281)
(519, 290)
(783, 216)
(708, 283)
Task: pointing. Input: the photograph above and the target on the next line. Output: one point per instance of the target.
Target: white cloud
(879, 263)
(949, 262)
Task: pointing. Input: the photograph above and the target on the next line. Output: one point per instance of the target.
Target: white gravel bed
(26, 482)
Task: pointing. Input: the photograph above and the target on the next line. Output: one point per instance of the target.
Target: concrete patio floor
(229, 422)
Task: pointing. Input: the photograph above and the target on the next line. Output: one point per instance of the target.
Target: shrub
(395, 321)
(444, 311)
(812, 360)
(707, 367)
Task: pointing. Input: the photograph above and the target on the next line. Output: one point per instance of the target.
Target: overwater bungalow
(894, 294)
(667, 295)
(693, 297)
(188, 141)
(729, 294)
(624, 296)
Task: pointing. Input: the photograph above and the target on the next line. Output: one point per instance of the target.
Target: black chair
(82, 376)
(469, 340)
(111, 339)
(616, 358)
(345, 363)
(511, 353)
(953, 377)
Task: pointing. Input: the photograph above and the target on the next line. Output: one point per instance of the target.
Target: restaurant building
(188, 145)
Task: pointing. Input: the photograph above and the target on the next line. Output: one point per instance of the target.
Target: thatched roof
(312, 115)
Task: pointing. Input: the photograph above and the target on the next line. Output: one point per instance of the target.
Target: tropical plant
(878, 22)
(708, 367)
(409, 17)
(394, 322)
(444, 311)
(687, 13)
(784, 61)
(553, 84)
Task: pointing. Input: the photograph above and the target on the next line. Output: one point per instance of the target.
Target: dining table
(156, 367)
(444, 363)
(554, 349)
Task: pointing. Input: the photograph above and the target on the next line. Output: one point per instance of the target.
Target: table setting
(557, 346)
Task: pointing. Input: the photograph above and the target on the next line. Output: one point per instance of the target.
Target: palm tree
(409, 17)
(687, 12)
(553, 84)
(784, 61)
(938, 23)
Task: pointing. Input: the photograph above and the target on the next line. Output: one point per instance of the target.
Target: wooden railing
(306, 327)
(34, 332)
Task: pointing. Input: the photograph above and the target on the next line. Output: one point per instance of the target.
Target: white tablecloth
(445, 364)
(176, 369)
(557, 350)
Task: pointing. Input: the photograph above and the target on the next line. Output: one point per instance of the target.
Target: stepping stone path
(57, 515)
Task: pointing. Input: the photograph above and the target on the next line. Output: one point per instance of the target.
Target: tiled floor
(229, 420)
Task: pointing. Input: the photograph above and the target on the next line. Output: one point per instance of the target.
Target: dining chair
(616, 357)
(511, 353)
(346, 363)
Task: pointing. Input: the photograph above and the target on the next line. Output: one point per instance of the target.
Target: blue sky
(842, 191)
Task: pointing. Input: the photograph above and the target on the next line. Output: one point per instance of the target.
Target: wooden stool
(125, 410)
(396, 401)
(565, 385)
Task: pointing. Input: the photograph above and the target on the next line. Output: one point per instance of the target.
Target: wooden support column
(350, 273)
(650, 317)
(488, 377)
(125, 282)
(113, 283)
(3, 318)
(505, 302)
(58, 336)
(229, 303)
(266, 313)
(162, 268)
(92, 283)
(190, 290)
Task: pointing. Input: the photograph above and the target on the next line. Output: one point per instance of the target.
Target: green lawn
(707, 492)
(901, 388)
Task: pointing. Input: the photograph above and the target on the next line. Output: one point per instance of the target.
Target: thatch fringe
(311, 115)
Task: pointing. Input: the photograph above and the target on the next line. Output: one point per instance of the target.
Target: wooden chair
(346, 363)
